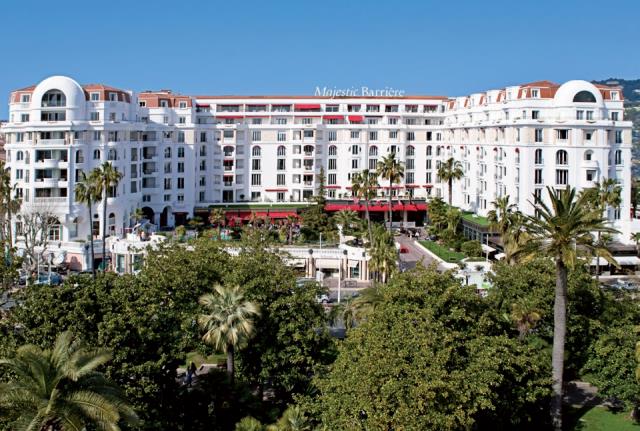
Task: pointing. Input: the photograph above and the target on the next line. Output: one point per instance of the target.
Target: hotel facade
(181, 155)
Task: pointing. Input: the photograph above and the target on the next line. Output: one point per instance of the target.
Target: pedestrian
(191, 371)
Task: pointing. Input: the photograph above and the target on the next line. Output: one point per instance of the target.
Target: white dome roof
(567, 91)
(76, 101)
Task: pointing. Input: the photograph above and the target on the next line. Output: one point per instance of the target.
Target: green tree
(107, 178)
(558, 231)
(364, 186)
(472, 248)
(612, 366)
(229, 321)
(437, 216)
(61, 389)
(86, 191)
(420, 362)
(137, 215)
(383, 254)
(391, 169)
(349, 220)
(602, 196)
(450, 171)
(509, 223)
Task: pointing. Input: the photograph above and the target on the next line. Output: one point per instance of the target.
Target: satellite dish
(59, 259)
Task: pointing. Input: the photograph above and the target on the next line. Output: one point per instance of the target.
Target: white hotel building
(180, 154)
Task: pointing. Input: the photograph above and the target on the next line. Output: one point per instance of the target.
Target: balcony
(52, 142)
(47, 164)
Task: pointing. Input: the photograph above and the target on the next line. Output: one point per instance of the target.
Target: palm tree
(508, 222)
(108, 177)
(348, 219)
(293, 419)
(601, 196)
(217, 217)
(249, 423)
(86, 192)
(345, 312)
(558, 231)
(390, 169)
(364, 186)
(137, 215)
(525, 316)
(60, 389)
(383, 254)
(229, 322)
(449, 171)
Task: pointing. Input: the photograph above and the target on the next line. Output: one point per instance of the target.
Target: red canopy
(333, 117)
(356, 118)
(306, 106)
(230, 117)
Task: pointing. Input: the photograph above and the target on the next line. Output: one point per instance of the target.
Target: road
(415, 254)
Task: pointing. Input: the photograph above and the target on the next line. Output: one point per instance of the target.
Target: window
(54, 98)
(79, 156)
(538, 157)
(280, 179)
(332, 179)
(588, 135)
(410, 151)
(142, 103)
(562, 177)
(355, 134)
(580, 114)
(537, 195)
(562, 134)
(411, 136)
(561, 157)
(333, 164)
(535, 115)
(537, 177)
(591, 175)
(615, 95)
(282, 151)
(535, 93)
(618, 157)
(355, 150)
(24, 118)
(97, 135)
(167, 153)
(584, 97)
(203, 165)
(373, 164)
(94, 116)
(182, 105)
(354, 163)
(614, 116)
(373, 136)
(410, 164)
(308, 134)
(167, 183)
(429, 165)
(280, 165)
(255, 164)
(180, 136)
(180, 167)
(373, 151)
(181, 152)
(538, 135)
(410, 178)
(618, 137)
(255, 152)
(96, 154)
(332, 136)
(181, 183)
(392, 134)
(25, 98)
(256, 135)
(203, 181)
(429, 150)
(282, 136)
(256, 179)
(182, 120)
(588, 155)
(589, 115)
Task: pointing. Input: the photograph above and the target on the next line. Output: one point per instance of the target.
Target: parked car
(323, 299)
(53, 279)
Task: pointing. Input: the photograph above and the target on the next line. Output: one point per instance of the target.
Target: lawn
(470, 217)
(443, 252)
(602, 419)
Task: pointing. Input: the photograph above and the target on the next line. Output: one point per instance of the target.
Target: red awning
(203, 105)
(421, 207)
(276, 190)
(412, 186)
(257, 116)
(230, 117)
(333, 117)
(306, 106)
(428, 186)
(356, 118)
(333, 187)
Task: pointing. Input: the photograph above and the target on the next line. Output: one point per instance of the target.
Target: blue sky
(290, 47)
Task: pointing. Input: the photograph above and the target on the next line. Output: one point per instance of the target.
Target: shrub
(471, 248)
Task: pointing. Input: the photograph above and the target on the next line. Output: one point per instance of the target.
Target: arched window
(96, 154)
(256, 151)
(167, 153)
(373, 151)
(54, 98)
(429, 149)
(561, 157)
(112, 224)
(282, 150)
(228, 151)
(79, 156)
(19, 156)
(411, 150)
(584, 97)
(333, 150)
(438, 151)
(308, 149)
(588, 155)
(538, 156)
